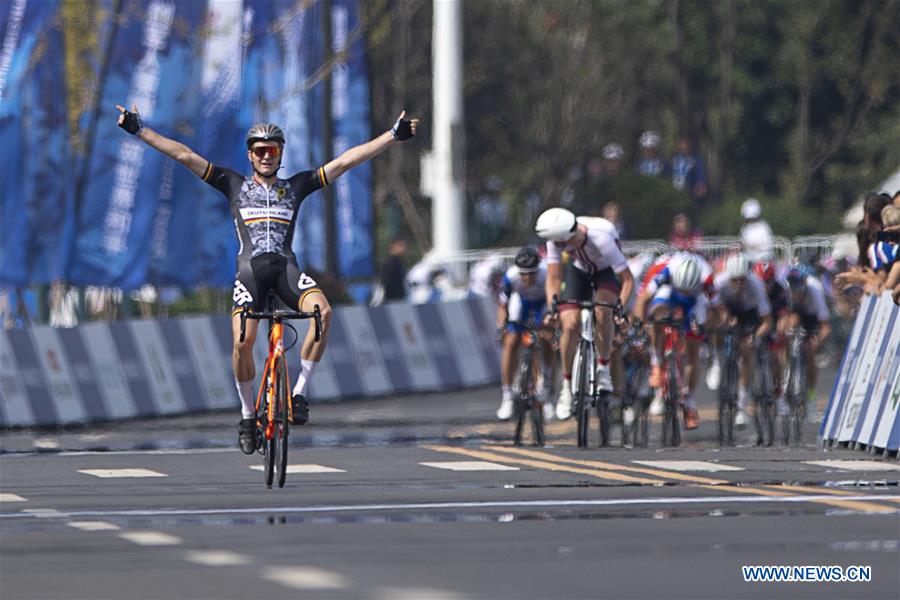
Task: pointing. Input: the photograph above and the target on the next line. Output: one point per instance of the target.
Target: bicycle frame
(673, 349)
(269, 384)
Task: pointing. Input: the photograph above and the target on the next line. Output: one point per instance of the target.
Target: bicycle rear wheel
(523, 389)
(280, 435)
(603, 418)
(537, 423)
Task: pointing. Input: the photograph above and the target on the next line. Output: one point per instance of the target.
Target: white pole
(448, 207)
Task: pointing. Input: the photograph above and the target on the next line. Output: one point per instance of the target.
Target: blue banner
(24, 25)
(148, 62)
(350, 111)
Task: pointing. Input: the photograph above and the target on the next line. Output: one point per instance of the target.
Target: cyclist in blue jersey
(265, 208)
(520, 301)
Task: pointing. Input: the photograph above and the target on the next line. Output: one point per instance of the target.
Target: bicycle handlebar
(315, 314)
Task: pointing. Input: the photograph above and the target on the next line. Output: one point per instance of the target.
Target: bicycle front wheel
(269, 448)
(582, 395)
(280, 435)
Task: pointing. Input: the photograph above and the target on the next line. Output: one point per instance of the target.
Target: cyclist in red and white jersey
(265, 209)
(597, 270)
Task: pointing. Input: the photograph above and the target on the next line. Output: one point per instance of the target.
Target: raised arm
(403, 129)
(130, 121)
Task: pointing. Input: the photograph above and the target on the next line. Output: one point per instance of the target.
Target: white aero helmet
(686, 272)
(737, 265)
(556, 224)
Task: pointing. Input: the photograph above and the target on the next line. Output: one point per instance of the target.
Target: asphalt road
(424, 497)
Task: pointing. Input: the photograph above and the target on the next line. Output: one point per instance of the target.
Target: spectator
(682, 237)
(610, 211)
(485, 277)
(867, 232)
(688, 171)
(756, 235)
(393, 270)
(491, 216)
(613, 154)
(650, 162)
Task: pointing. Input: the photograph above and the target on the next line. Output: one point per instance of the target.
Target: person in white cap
(757, 239)
(650, 163)
(613, 154)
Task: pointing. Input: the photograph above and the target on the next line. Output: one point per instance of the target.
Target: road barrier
(864, 408)
(108, 371)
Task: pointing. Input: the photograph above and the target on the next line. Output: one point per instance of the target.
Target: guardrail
(118, 370)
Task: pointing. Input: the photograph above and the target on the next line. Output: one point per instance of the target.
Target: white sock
(743, 398)
(248, 397)
(307, 368)
(507, 393)
(689, 402)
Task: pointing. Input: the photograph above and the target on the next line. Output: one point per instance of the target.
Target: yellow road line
(707, 482)
(540, 464)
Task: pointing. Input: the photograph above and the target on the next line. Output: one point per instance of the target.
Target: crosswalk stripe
(12, 498)
(150, 538)
(109, 473)
(304, 469)
(305, 578)
(688, 465)
(854, 465)
(490, 456)
(469, 465)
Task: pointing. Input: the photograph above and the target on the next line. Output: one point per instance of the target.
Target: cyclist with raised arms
(683, 285)
(597, 271)
(265, 209)
(741, 301)
(521, 300)
(809, 311)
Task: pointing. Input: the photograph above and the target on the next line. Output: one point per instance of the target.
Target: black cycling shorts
(579, 286)
(810, 324)
(270, 271)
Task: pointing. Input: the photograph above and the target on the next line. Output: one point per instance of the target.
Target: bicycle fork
(276, 350)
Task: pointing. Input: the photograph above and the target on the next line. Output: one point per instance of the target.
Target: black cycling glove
(402, 129)
(131, 122)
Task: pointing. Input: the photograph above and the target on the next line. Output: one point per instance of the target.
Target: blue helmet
(796, 276)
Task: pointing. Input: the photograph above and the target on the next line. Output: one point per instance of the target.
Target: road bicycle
(763, 395)
(526, 405)
(585, 391)
(636, 388)
(273, 401)
(728, 387)
(672, 381)
(795, 389)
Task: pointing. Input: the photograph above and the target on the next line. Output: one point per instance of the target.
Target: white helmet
(556, 225)
(737, 265)
(686, 273)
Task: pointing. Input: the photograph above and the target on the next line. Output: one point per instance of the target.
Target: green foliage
(786, 219)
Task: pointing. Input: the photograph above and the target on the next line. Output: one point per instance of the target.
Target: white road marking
(855, 465)
(42, 513)
(93, 525)
(687, 465)
(217, 558)
(105, 473)
(150, 538)
(305, 578)
(12, 498)
(267, 510)
(469, 465)
(415, 593)
(46, 443)
(129, 452)
(305, 469)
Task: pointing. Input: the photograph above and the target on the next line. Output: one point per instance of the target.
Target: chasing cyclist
(777, 293)
(683, 285)
(741, 301)
(597, 270)
(265, 209)
(809, 312)
(520, 301)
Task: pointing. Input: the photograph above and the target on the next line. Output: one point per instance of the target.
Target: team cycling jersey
(810, 303)
(663, 277)
(264, 216)
(883, 255)
(512, 284)
(599, 251)
(749, 300)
